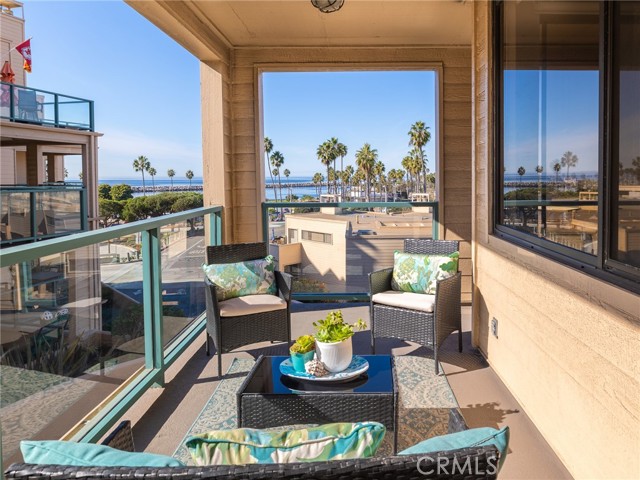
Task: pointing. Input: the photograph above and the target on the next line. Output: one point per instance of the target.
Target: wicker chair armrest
(284, 282)
(211, 296)
(447, 287)
(380, 281)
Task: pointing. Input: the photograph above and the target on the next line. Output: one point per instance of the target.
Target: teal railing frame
(157, 360)
(13, 108)
(349, 296)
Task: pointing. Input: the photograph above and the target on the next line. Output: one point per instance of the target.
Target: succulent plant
(303, 344)
(333, 329)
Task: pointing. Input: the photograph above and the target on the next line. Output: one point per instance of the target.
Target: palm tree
(419, 136)
(317, 181)
(141, 164)
(345, 178)
(325, 155)
(189, 176)
(332, 145)
(268, 148)
(286, 174)
(521, 172)
(556, 168)
(365, 159)
(341, 151)
(171, 173)
(569, 159)
(277, 159)
(378, 174)
(407, 164)
(152, 171)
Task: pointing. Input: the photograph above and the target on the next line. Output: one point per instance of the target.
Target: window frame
(599, 265)
(312, 232)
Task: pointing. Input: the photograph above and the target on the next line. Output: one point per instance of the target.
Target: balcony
(49, 109)
(29, 214)
(91, 321)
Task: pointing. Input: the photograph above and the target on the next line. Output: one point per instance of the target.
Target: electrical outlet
(494, 327)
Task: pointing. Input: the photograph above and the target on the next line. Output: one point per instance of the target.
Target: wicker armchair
(231, 332)
(429, 329)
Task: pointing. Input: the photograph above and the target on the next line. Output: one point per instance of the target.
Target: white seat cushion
(249, 304)
(412, 301)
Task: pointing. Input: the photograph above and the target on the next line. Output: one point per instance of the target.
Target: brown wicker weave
(428, 329)
(463, 464)
(121, 437)
(229, 333)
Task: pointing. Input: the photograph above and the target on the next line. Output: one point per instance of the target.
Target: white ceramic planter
(335, 356)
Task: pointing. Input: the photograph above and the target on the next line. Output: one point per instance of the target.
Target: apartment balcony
(44, 108)
(29, 214)
(91, 321)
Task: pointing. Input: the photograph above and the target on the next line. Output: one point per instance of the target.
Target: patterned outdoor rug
(424, 403)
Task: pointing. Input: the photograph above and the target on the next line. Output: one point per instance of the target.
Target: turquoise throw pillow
(252, 277)
(474, 437)
(54, 452)
(243, 446)
(417, 273)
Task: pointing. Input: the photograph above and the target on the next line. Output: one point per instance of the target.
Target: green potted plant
(302, 351)
(333, 340)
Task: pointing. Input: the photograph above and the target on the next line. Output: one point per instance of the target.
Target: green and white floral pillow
(333, 441)
(252, 277)
(419, 273)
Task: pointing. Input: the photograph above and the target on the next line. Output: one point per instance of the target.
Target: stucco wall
(568, 345)
(241, 191)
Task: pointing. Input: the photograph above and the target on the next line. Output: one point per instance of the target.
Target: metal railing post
(84, 221)
(91, 117)
(32, 214)
(12, 102)
(152, 301)
(56, 112)
(217, 218)
(435, 222)
(265, 223)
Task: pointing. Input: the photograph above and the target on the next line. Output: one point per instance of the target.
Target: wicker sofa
(467, 464)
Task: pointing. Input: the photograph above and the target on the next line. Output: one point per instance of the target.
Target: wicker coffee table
(268, 399)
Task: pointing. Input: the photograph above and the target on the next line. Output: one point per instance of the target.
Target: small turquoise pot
(299, 359)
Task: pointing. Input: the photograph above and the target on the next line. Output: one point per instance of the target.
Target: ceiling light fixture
(328, 6)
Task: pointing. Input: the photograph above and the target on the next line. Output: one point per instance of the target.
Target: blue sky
(145, 86)
(570, 121)
(302, 110)
(147, 94)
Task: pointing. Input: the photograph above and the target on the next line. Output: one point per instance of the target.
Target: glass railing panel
(333, 249)
(15, 216)
(72, 331)
(571, 221)
(58, 212)
(183, 253)
(73, 113)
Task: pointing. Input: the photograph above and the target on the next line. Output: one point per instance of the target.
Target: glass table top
(267, 379)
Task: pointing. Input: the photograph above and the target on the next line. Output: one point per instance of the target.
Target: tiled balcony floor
(163, 415)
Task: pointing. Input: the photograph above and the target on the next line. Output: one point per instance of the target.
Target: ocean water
(197, 182)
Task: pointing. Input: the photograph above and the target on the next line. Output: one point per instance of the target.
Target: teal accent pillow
(252, 277)
(474, 437)
(243, 446)
(54, 452)
(417, 273)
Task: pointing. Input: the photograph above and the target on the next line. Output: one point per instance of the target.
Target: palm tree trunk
(328, 183)
(144, 190)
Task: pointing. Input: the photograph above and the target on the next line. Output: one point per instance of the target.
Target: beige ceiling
(264, 23)
(359, 22)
